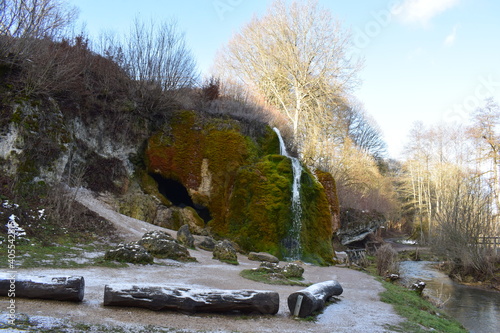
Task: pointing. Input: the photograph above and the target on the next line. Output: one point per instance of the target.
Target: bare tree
(34, 18)
(363, 130)
(296, 58)
(465, 215)
(485, 133)
(158, 55)
(24, 22)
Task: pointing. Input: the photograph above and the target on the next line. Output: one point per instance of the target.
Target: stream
(477, 309)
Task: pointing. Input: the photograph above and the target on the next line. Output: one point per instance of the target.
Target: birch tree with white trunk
(296, 57)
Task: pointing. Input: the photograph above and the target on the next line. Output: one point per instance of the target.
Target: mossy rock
(292, 270)
(225, 252)
(162, 245)
(131, 253)
(259, 212)
(243, 182)
(316, 233)
(185, 237)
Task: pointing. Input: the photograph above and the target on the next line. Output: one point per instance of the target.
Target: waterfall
(293, 243)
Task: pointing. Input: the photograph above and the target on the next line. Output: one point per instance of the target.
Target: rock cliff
(217, 174)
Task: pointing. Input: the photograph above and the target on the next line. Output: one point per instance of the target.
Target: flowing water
(292, 241)
(477, 309)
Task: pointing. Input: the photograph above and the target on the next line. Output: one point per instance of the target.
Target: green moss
(270, 278)
(226, 151)
(316, 221)
(259, 211)
(269, 143)
(250, 184)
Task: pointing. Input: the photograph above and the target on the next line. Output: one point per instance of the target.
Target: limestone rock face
(225, 252)
(162, 245)
(244, 184)
(132, 252)
(326, 179)
(230, 167)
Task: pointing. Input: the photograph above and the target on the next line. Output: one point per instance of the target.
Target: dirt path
(359, 308)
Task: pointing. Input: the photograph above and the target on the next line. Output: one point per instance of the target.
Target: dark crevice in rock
(178, 195)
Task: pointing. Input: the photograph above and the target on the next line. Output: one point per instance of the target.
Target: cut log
(61, 288)
(192, 300)
(304, 302)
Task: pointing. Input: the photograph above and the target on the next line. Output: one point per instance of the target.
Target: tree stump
(304, 302)
(61, 288)
(192, 300)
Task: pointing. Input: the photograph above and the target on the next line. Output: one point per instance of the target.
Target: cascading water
(293, 243)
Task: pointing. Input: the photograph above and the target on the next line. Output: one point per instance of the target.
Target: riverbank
(477, 309)
(414, 252)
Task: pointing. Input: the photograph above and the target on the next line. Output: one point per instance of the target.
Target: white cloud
(450, 39)
(422, 11)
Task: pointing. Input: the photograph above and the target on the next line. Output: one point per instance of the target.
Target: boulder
(263, 256)
(132, 252)
(269, 267)
(291, 270)
(162, 245)
(206, 243)
(185, 237)
(175, 217)
(225, 252)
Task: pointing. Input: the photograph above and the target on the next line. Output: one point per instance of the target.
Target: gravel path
(359, 308)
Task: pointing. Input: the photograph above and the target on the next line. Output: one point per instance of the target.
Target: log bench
(304, 302)
(190, 300)
(61, 288)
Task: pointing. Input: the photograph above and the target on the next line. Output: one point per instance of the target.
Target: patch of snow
(14, 226)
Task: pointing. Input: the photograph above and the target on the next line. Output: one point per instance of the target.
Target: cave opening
(178, 195)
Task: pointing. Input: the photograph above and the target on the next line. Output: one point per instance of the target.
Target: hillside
(215, 168)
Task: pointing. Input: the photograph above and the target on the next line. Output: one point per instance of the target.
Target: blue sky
(425, 60)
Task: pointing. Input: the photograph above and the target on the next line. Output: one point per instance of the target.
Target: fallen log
(192, 300)
(304, 302)
(61, 288)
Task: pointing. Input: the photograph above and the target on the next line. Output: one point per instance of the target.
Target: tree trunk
(61, 288)
(192, 300)
(304, 302)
